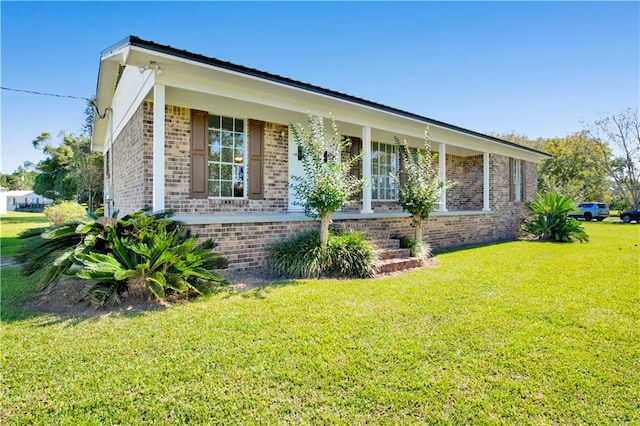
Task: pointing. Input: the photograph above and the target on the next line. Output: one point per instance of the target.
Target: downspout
(109, 199)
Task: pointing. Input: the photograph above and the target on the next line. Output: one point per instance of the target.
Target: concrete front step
(395, 265)
(393, 253)
(386, 244)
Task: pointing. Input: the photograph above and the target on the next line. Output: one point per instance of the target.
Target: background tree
(70, 171)
(420, 194)
(622, 132)
(22, 178)
(577, 169)
(327, 183)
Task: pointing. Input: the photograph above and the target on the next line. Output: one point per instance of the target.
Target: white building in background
(21, 200)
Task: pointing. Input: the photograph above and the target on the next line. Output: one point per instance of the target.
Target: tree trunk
(324, 230)
(418, 224)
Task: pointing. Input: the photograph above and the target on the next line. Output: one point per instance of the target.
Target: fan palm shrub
(141, 253)
(550, 222)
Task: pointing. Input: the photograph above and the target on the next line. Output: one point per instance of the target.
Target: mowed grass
(12, 224)
(515, 333)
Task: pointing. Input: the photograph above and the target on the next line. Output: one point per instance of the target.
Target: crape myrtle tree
(327, 183)
(420, 192)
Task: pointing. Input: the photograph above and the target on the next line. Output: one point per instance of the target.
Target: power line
(45, 94)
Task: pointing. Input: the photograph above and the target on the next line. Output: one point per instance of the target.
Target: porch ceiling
(246, 109)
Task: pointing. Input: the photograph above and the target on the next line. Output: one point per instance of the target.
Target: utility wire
(45, 94)
(60, 96)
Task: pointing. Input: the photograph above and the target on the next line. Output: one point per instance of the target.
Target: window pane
(227, 155)
(225, 189)
(214, 171)
(214, 136)
(227, 123)
(214, 151)
(214, 121)
(225, 171)
(239, 125)
(227, 139)
(238, 156)
(238, 189)
(214, 188)
(239, 140)
(238, 173)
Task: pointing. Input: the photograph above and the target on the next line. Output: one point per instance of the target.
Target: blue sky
(536, 68)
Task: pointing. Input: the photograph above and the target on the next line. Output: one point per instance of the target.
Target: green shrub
(65, 212)
(301, 256)
(550, 222)
(140, 253)
(416, 248)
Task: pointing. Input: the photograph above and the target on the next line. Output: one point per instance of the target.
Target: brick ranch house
(211, 140)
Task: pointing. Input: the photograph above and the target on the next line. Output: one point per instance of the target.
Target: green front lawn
(515, 333)
(12, 224)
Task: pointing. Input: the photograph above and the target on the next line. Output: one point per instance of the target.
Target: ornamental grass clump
(301, 256)
(416, 248)
(550, 222)
(139, 255)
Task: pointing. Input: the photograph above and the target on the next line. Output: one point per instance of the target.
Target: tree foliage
(577, 169)
(622, 132)
(327, 183)
(22, 178)
(420, 194)
(70, 171)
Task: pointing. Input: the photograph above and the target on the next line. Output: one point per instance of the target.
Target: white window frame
(243, 163)
(383, 172)
(517, 180)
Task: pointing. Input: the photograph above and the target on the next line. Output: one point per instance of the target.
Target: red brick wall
(244, 244)
(132, 163)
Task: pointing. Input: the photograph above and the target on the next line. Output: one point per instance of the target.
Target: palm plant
(156, 260)
(140, 253)
(550, 221)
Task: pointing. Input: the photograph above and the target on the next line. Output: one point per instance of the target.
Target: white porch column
(158, 147)
(485, 182)
(366, 170)
(442, 175)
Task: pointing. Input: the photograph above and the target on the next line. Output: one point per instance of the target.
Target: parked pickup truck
(591, 210)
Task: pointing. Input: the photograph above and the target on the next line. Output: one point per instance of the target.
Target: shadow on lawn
(26, 219)
(66, 303)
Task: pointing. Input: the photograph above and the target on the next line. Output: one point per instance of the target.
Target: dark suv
(630, 215)
(591, 210)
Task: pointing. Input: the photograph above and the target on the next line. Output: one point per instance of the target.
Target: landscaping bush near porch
(347, 255)
(550, 221)
(139, 255)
